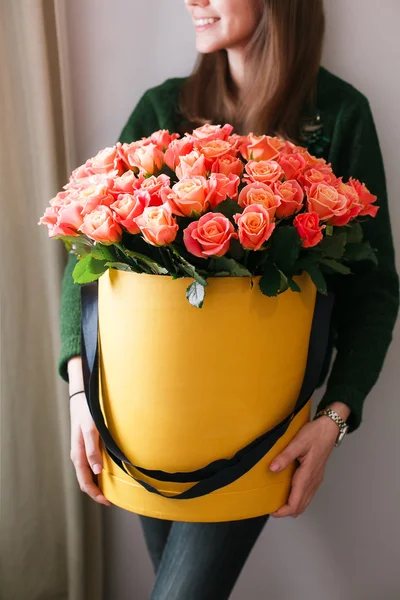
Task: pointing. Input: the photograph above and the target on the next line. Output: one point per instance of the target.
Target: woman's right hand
(85, 450)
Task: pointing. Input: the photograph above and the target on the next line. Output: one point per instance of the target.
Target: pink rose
(292, 196)
(127, 207)
(227, 165)
(125, 184)
(213, 149)
(188, 197)
(212, 132)
(191, 165)
(163, 138)
(308, 228)
(258, 147)
(101, 226)
(326, 201)
(70, 218)
(157, 226)
(176, 149)
(254, 226)
(93, 196)
(317, 174)
(153, 185)
(105, 161)
(222, 187)
(365, 197)
(260, 193)
(145, 157)
(264, 171)
(352, 203)
(209, 236)
(292, 164)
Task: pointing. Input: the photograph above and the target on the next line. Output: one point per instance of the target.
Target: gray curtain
(50, 533)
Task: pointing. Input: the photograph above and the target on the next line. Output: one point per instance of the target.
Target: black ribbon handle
(221, 472)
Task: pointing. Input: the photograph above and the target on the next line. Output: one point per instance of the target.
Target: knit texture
(367, 303)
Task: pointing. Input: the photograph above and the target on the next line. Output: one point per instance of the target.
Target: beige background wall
(346, 545)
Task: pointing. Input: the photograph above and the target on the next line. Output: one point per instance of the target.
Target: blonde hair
(282, 62)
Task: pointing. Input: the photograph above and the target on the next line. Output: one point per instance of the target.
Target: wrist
(341, 408)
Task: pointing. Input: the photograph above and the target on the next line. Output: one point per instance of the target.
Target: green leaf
(155, 267)
(102, 252)
(336, 266)
(317, 278)
(228, 208)
(88, 269)
(195, 293)
(289, 283)
(270, 281)
(120, 266)
(333, 246)
(285, 247)
(228, 264)
(329, 230)
(360, 251)
(354, 233)
(188, 268)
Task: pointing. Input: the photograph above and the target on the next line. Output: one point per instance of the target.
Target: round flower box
(186, 394)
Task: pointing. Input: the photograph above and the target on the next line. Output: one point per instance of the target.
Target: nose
(197, 2)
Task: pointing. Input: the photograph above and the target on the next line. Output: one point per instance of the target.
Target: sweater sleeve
(366, 303)
(142, 122)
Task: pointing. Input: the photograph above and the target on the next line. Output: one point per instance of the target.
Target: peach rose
(264, 171)
(352, 202)
(260, 193)
(326, 201)
(227, 165)
(176, 149)
(209, 236)
(163, 138)
(127, 207)
(212, 132)
(292, 197)
(125, 184)
(70, 218)
(105, 161)
(317, 174)
(213, 149)
(308, 228)
(222, 187)
(145, 157)
(258, 147)
(188, 197)
(292, 164)
(191, 165)
(93, 196)
(311, 161)
(254, 226)
(365, 197)
(157, 226)
(153, 185)
(101, 226)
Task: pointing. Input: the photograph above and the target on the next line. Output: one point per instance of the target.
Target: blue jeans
(198, 561)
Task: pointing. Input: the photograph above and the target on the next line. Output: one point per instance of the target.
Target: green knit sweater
(366, 304)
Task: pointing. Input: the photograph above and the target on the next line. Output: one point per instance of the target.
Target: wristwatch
(343, 426)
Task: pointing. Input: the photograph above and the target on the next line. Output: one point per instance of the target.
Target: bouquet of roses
(212, 204)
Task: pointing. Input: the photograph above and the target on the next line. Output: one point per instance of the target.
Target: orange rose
(254, 226)
(101, 226)
(212, 132)
(326, 201)
(258, 147)
(191, 164)
(187, 198)
(308, 228)
(317, 174)
(265, 171)
(157, 226)
(260, 193)
(365, 197)
(293, 165)
(228, 165)
(292, 197)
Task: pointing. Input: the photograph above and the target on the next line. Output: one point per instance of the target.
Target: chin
(208, 47)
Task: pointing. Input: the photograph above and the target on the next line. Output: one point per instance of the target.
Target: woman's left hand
(311, 446)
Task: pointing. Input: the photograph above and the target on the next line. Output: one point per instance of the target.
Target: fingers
(303, 488)
(92, 448)
(295, 449)
(83, 471)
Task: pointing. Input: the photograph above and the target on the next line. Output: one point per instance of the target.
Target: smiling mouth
(201, 24)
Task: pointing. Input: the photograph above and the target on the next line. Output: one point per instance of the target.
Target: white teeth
(203, 22)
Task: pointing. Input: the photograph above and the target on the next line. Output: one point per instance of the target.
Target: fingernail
(96, 469)
(274, 466)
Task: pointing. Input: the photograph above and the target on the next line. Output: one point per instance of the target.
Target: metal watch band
(343, 426)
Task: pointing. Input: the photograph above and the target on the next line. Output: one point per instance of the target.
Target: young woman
(259, 69)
